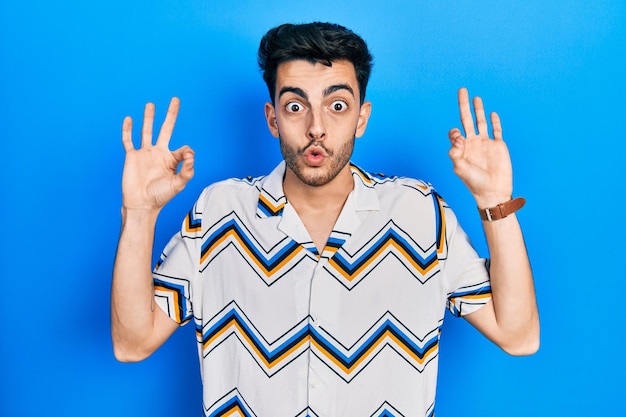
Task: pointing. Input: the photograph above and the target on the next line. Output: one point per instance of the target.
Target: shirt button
(314, 384)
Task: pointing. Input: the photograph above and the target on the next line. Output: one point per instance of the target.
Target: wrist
(501, 210)
(491, 200)
(139, 214)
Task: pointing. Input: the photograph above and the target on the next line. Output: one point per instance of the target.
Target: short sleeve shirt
(284, 331)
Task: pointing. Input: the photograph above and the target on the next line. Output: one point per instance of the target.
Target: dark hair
(314, 42)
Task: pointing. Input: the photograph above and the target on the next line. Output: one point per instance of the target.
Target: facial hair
(317, 176)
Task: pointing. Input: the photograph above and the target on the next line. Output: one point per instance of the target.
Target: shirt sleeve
(467, 274)
(176, 269)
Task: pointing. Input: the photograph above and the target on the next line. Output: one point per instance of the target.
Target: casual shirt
(285, 331)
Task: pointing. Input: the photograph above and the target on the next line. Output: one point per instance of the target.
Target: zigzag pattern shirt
(285, 331)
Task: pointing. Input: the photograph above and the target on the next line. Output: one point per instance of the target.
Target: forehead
(314, 77)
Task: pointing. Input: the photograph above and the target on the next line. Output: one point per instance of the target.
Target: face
(316, 116)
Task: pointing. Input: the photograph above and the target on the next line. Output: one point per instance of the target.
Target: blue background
(71, 70)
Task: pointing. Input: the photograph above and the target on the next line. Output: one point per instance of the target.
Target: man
(319, 289)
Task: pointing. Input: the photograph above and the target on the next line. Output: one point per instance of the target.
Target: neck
(318, 206)
(331, 194)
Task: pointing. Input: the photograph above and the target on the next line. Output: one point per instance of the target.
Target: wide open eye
(339, 106)
(294, 107)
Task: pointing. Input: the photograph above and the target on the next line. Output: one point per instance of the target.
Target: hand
(150, 179)
(483, 164)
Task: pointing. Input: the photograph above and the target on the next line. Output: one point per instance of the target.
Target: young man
(319, 289)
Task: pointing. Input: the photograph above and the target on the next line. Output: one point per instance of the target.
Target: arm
(511, 318)
(149, 181)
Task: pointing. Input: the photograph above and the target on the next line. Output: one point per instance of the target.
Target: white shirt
(285, 331)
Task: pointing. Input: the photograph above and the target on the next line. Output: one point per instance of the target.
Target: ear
(364, 116)
(270, 117)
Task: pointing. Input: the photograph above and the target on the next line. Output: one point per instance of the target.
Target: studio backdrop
(70, 71)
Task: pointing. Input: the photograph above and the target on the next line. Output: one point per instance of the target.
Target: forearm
(132, 293)
(514, 301)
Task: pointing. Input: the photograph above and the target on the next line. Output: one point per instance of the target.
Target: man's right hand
(150, 177)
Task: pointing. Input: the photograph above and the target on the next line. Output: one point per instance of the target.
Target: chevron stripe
(174, 293)
(193, 224)
(234, 322)
(347, 362)
(478, 294)
(231, 232)
(232, 404)
(386, 410)
(387, 332)
(390, 239)
(265, 208)
(334, 242)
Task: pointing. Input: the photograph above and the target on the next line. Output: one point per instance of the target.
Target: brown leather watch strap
(502, 210)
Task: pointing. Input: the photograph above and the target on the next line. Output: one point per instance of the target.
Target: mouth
(316, 148)
(314, 155)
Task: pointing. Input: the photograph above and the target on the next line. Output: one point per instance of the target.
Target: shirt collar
(272, 198)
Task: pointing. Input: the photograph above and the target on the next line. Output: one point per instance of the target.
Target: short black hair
(315, 42)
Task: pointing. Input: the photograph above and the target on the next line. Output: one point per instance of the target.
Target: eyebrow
(338, 87)
(294, 90)
(328, 91)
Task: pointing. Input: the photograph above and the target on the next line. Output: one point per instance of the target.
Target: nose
(316, 129)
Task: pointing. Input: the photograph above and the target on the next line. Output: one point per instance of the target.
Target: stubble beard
(317, 176)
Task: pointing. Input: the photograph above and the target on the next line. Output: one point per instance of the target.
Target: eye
(339, 106)
(293, 107)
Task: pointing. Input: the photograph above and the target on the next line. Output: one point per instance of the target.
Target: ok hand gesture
(150, 177)
(482, 163)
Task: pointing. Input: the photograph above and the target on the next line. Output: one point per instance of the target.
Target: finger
(167, 128)
(455, 135)
(187, 168)
(127, 138)
(496, 125)
(458, 144)
(179, 154)
(481, 120)
(186, 172)
(467, 120)
(148, 121)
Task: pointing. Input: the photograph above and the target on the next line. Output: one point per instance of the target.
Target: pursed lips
(315, 148)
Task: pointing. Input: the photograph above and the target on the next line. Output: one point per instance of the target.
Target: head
(314, 42)
(316, 75)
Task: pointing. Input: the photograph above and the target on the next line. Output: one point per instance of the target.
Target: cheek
(342, 126)
(289, 123)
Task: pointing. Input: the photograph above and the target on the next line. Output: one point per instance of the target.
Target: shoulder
(384, 183)
(230, 192)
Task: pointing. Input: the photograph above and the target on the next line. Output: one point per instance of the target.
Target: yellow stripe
(233, 411)
(367, 354)
(250, 254)
(363, 177)
(188, 222)
(250, 343)
(376, 255)
(273, 208)
(176, 303)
